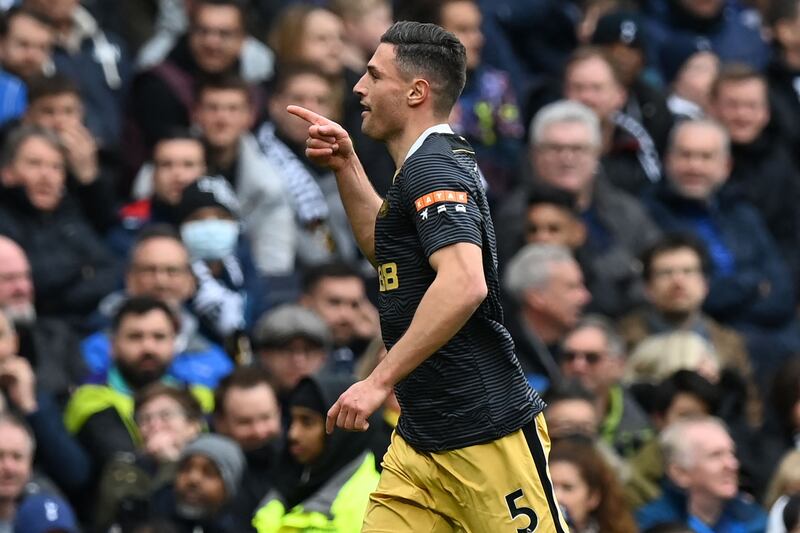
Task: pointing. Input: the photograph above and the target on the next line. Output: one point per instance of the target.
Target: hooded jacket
(332, 493)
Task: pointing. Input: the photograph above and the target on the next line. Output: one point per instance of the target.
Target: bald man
(48, 344)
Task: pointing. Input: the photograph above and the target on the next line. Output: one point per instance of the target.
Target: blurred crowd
(182, 299)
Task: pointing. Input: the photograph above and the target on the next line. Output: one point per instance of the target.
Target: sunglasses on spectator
(591, 358)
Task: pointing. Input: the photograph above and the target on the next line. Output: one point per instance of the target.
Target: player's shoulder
(440, 157)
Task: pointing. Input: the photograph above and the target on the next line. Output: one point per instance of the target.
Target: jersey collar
(438, 128)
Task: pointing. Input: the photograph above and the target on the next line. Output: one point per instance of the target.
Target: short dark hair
(569, 390)
(189, 404)
(286, 72)
(314, 275)
(585, 53)
(47, 86)
(736, 73)
(239, 5)
(141, 305)
(780, 10)
(429, 50)
(224, 83)
(670, 243)
(543, 194)
(21, 11)
(247, 377)
(686, 382)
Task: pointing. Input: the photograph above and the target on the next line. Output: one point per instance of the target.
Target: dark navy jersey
(472, 390)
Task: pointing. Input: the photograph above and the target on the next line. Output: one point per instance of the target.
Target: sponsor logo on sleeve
(435, 197)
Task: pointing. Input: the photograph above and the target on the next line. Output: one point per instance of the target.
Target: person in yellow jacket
(100, 413)
(323, 482)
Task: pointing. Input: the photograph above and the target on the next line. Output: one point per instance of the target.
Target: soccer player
(470, 450)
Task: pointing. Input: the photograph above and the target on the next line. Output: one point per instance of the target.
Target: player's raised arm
(329, 145)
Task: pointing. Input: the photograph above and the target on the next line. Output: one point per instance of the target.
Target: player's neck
(400, 145)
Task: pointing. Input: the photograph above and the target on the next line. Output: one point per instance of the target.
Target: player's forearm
(361, 203)
(447, 305)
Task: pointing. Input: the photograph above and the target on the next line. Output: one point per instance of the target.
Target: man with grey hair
(546, 285)
(565, 154)
(702, 486)
(594, 355)
(750, 287)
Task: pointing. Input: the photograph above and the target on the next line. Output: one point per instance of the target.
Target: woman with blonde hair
(785, 483)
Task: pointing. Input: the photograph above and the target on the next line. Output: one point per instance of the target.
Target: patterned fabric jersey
(472, 390)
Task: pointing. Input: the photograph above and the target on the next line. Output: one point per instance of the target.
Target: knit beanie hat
(307, 394)
(224, 453)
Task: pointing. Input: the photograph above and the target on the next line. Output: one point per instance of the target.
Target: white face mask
(210, 239)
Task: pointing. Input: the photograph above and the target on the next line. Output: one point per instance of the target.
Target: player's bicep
(462, 259)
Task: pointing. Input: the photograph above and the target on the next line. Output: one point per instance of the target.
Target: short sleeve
(443, 204)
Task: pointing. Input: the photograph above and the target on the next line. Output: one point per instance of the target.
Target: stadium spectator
(781, 430)
(564, 150)
(630, 155)
(659, 356)
(307, 34)
(100, 413)
(587, 487)
(206, 483)
(21, 492)
(291, 342)
(224, 112)
(71, 267)
(323, 481)
(45, 513)
(159, 267)
(26, 43)
(229, 293)
(690, 81)
(48, 344)
(620, 34)
(167, 419)
(323, 232)
(684, 394)
(784, 485)
(593, 354)
(729, 30)
(337, 293)
(546, 286)
(54, 103)
(178, 159)
(247, 411)
(702, 486)
(163, 97)
(96, 60)
(256, 62)
(363, 23)
(764, 170)
(750, 287)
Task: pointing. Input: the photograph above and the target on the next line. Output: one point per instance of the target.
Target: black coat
(71, 267)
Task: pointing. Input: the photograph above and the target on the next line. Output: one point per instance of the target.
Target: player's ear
(419, 92)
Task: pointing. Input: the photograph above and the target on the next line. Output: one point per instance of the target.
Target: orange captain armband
(459, 197)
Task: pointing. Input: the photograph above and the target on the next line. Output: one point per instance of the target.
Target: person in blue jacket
(702, 485)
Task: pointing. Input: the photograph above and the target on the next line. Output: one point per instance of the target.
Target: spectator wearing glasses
(675, 271)
(168, 419)
(565, 152)
(594, 355)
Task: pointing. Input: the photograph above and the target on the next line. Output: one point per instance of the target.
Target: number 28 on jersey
(387, 277)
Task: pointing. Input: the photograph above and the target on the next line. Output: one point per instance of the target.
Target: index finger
(307, 115)
(333, 414)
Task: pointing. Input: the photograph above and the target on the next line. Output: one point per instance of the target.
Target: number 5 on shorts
(514, 511)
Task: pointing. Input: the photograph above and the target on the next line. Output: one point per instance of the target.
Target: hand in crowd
(81, 149)
(164, 446)
(18, 380)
